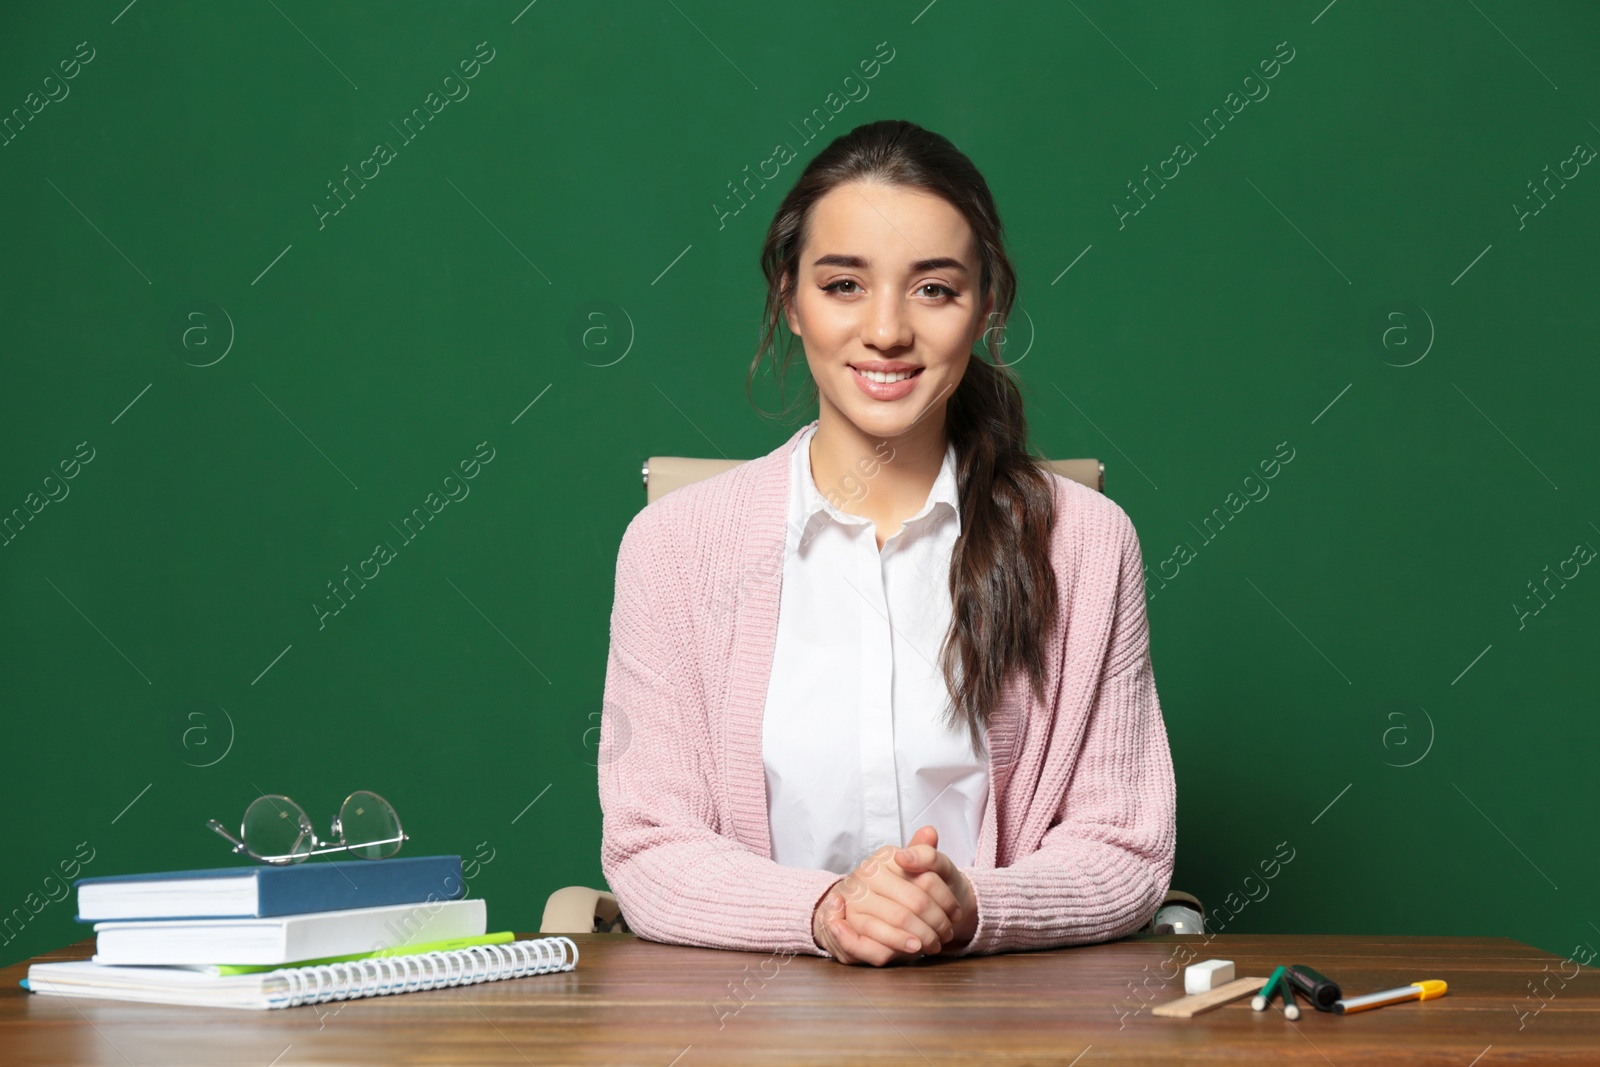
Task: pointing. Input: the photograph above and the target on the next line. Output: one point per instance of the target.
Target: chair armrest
(580, 910)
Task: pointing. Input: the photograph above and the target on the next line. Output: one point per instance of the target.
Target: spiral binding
(380, 976)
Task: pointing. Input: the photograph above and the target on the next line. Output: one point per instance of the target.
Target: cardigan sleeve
(677, 876)
(1104, 865)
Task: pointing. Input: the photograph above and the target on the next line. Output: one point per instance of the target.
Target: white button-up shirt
(854, 741)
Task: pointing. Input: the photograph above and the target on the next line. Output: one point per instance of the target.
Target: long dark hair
(1002, 586)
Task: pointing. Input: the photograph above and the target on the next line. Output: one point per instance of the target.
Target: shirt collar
(808, 507)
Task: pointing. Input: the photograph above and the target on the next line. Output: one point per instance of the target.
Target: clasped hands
(897, 905)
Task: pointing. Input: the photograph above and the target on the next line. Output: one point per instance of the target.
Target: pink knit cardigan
(1078, 835)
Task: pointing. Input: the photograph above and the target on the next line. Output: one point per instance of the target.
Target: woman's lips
(886, 390)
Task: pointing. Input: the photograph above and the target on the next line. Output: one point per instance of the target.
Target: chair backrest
(663, 474)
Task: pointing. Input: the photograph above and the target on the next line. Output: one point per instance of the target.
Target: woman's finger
(890, 878)
(925, 909)
(919, 901)
(855, 945)
(887, 880)
(911, 888)
(942, 892)
(901, 924)
(893, 940)
(859, 949)
(906, 864)
(879, 870)
(925, 858)
(830, 942)
(874, 864)
(849, 887)
(920, 860)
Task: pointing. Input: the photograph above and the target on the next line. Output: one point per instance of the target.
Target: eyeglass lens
(369, 825)
(278, 830)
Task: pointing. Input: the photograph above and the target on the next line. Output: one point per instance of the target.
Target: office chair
(579, 909)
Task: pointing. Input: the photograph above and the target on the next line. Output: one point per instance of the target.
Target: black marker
(1321, 990)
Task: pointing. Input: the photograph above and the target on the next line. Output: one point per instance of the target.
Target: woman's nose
(887, 324)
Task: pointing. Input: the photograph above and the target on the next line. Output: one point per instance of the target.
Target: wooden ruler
(1189, 1007)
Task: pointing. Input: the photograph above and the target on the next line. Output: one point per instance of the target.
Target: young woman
(886, 691)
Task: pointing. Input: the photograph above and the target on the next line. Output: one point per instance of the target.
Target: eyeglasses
(277, 830)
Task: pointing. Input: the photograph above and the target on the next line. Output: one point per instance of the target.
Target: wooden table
(638, 1002)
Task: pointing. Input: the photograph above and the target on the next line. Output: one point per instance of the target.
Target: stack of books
(272, 937)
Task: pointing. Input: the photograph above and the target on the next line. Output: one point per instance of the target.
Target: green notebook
(403, 950)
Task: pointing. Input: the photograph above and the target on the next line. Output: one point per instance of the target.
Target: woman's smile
(885, 381)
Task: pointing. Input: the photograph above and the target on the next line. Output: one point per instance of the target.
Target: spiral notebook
(288, 987)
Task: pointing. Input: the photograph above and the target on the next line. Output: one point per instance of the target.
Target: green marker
(1291, 1010)
(1260, 1000)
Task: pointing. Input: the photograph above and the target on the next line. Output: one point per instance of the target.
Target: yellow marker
(1415, 991)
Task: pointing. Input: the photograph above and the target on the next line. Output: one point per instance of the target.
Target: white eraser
(1207, 975)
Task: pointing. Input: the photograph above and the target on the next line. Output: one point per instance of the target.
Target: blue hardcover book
(263, 891)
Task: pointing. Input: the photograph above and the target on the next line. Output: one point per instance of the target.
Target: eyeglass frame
(318, 846)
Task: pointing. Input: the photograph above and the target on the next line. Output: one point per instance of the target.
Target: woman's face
(886, 286)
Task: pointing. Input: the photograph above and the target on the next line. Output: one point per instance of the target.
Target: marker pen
(1415, 991)
(1291, 1010)
(1260, 1001)
(1321, 990)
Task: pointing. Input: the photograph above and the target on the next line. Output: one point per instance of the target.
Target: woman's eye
(939, 291)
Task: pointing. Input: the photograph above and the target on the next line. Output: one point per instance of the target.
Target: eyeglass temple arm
(238, 845)
(346, 848)
(361, 844)
(241, 848)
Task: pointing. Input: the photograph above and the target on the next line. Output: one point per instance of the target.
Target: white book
(291, 986)
(287, 938)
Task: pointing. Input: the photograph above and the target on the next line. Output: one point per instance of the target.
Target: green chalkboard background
(1352, 266)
